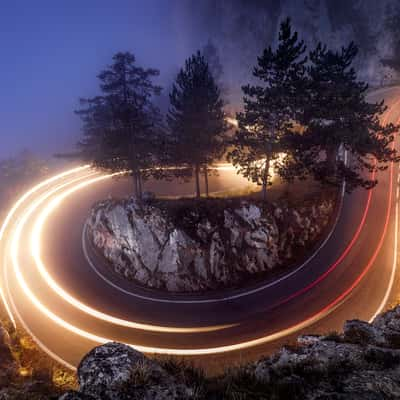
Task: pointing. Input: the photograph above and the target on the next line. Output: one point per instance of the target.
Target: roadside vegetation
(26, 371)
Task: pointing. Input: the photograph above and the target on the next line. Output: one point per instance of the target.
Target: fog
(241, 29)
(52, 52)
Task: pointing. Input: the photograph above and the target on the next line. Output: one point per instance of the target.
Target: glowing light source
(232, 121)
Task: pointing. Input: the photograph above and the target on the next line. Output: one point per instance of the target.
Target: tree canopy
(336, 114)
(196, 118)
(270, 107)
(307, 108)
(303, 111)
(122, 125)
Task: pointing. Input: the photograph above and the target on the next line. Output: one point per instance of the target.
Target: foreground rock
(362, 363)
(117, 372)
(214, 244)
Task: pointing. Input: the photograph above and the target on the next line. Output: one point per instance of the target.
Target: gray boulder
(117, 372)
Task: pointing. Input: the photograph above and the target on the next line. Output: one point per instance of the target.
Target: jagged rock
(144, 245)
(117, 372)
(344, 366)
(360, 364)
(76, 396)
(362, 332)
(389, 324)
(107, 368)
(262, 372)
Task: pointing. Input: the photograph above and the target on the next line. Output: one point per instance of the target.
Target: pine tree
(337, 115)
(121, 126)
(196, 118)
(269, 110)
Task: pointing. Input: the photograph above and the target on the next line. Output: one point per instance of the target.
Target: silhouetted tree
(121, 126)
(196, 118)
(337, 114)
(269, 110)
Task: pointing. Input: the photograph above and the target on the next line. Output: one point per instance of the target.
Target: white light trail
(35, 248)
(50, 200)
(99, 339)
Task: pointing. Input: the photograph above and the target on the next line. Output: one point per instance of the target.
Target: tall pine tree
(270, 108)
(337, 115)
(121, 126)
(196, 118)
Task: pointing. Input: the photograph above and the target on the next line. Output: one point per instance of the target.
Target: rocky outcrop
(117, 372)
(201, 249)
(361, 363)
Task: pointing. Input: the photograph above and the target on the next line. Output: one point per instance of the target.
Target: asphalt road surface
(49, 287)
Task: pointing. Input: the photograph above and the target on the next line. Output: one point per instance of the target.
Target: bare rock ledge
(201, 250)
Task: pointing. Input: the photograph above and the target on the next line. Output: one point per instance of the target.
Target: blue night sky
(51, 52)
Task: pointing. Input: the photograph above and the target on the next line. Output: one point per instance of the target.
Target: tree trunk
(140, 189)
(265, 179)
(264, 192)
(206, 179)
(135, 185)
(197, 177)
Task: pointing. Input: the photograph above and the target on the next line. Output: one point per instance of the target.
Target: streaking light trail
(36, 254)
(35, 251)
(37, 206)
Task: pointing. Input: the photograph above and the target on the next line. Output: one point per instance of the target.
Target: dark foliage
(270, 109)
(336, 116)
(196, 118)
(122, 127)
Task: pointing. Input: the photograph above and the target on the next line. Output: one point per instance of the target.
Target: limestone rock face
(145, 245)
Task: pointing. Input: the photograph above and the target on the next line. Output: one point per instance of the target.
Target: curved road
(48, 286)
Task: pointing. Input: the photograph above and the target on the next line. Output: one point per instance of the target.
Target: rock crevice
(196, 251)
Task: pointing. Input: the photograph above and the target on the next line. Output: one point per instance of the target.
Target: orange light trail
(36, 254)
(35, 248)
